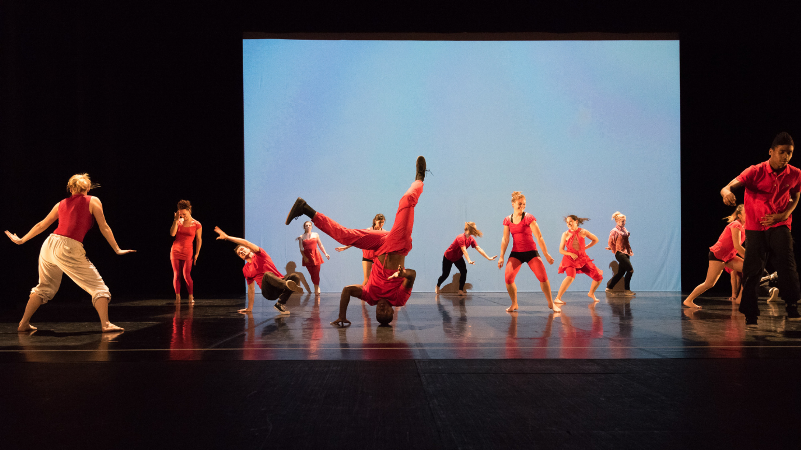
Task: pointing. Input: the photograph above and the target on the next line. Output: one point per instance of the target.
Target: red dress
(312, 255)
(583, 264)
(182, 247)
(724, 248)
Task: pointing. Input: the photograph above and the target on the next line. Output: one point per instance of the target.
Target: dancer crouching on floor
(524, 228)
(367, 255)
(619, 245)
(62, 252)
(386, 287)
(724, 255)
(453, 255)
(259, 269)
(576, 259)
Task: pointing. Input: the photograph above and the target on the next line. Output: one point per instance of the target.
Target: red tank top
(522, 236)
(74, 218)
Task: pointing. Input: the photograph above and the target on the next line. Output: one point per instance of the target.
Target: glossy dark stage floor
(451, 373)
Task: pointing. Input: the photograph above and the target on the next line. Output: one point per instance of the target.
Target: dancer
(524, 228)
(772, 190)
(62, 251)
(259, 269)
(619, 245)
(367, 255)
(185, 229)
(723, 255)
(453, 255)
(385, 287)
(576, 260)
(312, 260)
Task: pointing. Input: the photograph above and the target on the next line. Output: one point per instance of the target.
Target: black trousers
(624, 267)
(779, 243)
(446, 270)
(273, 287)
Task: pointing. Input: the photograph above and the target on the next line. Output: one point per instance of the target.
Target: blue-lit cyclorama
(580, 127)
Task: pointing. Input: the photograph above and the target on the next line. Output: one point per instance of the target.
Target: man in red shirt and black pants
(772, 190)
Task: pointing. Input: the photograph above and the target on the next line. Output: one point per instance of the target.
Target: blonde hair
(80, 183)
(737, 211)
(517, 195)
(617, 215)
(470, 228)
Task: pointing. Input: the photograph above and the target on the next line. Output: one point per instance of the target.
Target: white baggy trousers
(60, 255)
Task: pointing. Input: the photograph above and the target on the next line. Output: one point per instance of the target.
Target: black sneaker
(281, 308)
(297, 210)
(421, 169)
(792, 312)
(751, 321)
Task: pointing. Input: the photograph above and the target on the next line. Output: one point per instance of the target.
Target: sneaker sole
(293, 213)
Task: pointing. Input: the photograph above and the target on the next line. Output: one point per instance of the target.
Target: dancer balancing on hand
(575, 259)
(62, 252)
(309, 241)
(260, 269)
(367, 255)
(183, 254)
(390, 283)
(619, 245)
(524, 229)
(457, 253)
(723, 255)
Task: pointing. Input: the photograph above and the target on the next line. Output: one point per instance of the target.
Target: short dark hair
(782, 138)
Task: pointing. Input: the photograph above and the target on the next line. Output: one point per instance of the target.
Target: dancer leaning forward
(390, 283)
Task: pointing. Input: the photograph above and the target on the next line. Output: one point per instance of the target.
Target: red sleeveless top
(74, 218)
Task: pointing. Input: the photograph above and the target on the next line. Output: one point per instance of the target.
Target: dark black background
(147, 98)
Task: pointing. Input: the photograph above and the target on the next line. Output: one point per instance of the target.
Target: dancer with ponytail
(309, 241)
(454, 255)
(183, 254)
(523, 228)
(619, 245)
(575, 259)
(62, 252)
(367, 255)
(723, 255)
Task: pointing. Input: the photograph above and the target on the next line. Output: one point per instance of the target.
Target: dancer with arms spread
(62, 252)
(390, 283)
(183, 254)
(575, 259)
(457, 253)
(367, 255)
(523, 228)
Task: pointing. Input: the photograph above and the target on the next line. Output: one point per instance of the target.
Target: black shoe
(281, 308)
(751, 321)
(792, 312)
(298, 209)
(421, 169)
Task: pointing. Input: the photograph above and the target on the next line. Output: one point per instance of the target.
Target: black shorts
(367, 260)
(712, 257)
(524, 257)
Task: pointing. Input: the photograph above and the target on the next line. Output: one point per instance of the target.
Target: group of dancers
(762, 224)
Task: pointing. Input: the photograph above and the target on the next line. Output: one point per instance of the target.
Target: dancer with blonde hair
(575, 259)
(724, 255)
(62, 252)
(457, 253)
(523, 228)
(619, 245)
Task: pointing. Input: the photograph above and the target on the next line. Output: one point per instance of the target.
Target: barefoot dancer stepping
(386, 286)
(576, 259)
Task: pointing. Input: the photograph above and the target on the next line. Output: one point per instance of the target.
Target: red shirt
(768, 192)
(724, 247)
(522, 237)
(380, 286)
(259, 264)
(454, 252)
(74, 218)
(182, 248)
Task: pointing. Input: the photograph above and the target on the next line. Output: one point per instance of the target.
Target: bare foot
(462, 293)
(436, 290)
(592, 296)
(512, 308)
(26, 327)
(690, 304)
(292, 286)
(245, 311)
(556, 309)
(191, 299)
(559, 301)
(177, 298)
(109, 327)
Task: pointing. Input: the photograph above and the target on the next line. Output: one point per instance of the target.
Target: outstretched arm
(484, 254)
(96, 208)
(37, 229)
(466, 256)
(238, 241)
(354, 290)
(729, 198)
(538, 234)
(342, 249)
(504, 244)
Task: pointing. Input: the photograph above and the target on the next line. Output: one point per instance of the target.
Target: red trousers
(397, 240)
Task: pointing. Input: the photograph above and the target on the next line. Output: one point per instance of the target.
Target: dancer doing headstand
(309, 241)
(723, 255)
(185, 229)
(454, 255)
(62, 252)
(259, 269)
(386, 287)
(524, 228)
(367, 255)
(619, 245)
(575, 259)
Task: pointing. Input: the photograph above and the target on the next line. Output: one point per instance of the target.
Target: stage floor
(650, 325)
